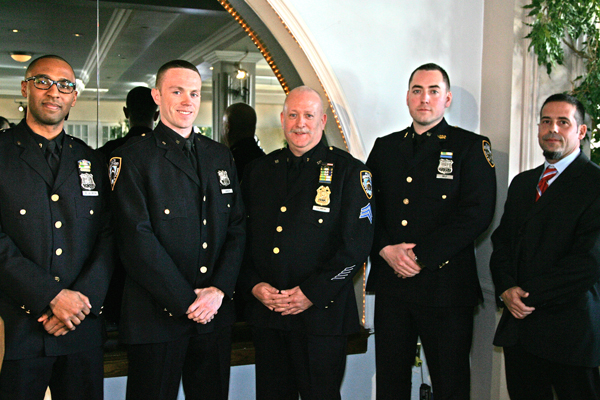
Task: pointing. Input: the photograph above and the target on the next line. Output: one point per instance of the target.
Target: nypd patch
(487, 152)
(366, 181)
(114, 169)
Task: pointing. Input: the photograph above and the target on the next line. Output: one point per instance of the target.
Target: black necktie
(188, 149)
(53, 157)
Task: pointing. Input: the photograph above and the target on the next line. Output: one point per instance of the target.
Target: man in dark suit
(56, 246)
(181, 236)
(309, 232)
(239, 125)
(141, 111)
(436, 191)
(546, 266)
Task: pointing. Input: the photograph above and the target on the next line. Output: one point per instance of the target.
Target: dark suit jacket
(114, 144)
(32, 273)
(320, 251)
(551, 249)
(419, 203)
(244, 151)
(177, 231)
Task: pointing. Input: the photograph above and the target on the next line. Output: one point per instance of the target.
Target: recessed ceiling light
(77, 35)
(15, 31)
(20, 56)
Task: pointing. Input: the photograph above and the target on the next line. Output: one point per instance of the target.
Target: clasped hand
(68, 309)
(207, 303)
(287, 302)
(402, 259)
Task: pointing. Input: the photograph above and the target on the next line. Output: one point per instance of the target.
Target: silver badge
(87, 181)
(223, 178)
(445, 166)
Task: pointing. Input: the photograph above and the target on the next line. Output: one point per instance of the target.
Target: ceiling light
(20, 56)
(241, 74)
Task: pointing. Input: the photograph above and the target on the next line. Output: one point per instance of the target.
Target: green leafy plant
(572, 24)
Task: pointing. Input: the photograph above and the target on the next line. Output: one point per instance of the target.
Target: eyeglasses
(41, 82)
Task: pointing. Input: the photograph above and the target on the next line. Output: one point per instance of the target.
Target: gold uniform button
(320, 220)
(204, 198)
(203, 269)
(405, 201)
(276, 250)
(166, 310)
(204, 222)
(58, 251)
(204, 245)
(57, 278)
(167, 211)
(54, 197)
(143, 134)
(444, 196)
(91, 212)
(409, 179)
(170, 315)
(283, 209)
(279, 229)
(28, 312)
(228, 206)
(404, 222)
(23, 211)
(58, 224)
(100, 313)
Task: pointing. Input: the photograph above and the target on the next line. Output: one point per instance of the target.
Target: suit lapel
(176, 156)
(559, 187)
(406, 150)
(309, 173)
(33, 156)
(68, 162)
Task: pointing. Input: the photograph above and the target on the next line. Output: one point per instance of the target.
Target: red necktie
(549, 173)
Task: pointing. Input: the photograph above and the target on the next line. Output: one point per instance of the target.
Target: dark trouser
(201, 362)
(529, 377)
(289, 363)
(70, 377)
(446, 334)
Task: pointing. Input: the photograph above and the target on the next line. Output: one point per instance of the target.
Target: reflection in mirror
(135, 38)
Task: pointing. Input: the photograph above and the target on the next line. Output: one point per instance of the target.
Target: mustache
(300, 131)
(552, 136)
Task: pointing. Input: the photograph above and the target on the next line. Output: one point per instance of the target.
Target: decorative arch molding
(297, 60)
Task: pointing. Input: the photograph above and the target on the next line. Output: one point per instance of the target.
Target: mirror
(135, 38)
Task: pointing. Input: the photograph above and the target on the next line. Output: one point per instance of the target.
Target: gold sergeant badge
(322, 198)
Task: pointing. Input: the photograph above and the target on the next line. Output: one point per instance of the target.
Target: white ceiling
(135, 40)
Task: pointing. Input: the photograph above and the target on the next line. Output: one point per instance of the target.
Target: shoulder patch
(487, 152)
(114, 169)
(366, 181)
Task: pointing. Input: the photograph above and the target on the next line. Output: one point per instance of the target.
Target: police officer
(436, 191)
(309, 232)
(56, 246)
(181, 236)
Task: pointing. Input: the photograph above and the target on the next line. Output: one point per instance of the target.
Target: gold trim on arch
(267, 55)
